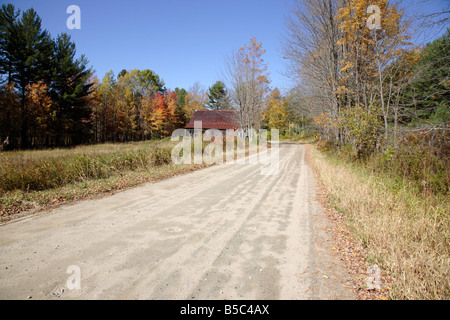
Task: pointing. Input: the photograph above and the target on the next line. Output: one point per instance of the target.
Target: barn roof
(216, 119)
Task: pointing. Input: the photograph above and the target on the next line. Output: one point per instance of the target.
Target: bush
(422, 158)
(161, 156)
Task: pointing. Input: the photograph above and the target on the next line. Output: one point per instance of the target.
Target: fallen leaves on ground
(351, 251)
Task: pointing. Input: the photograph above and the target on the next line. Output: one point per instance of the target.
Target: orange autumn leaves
(135, 106)
(159, 112)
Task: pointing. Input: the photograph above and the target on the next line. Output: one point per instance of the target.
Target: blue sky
(183, 41)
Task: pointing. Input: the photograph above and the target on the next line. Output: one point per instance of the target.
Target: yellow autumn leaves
(276, 114)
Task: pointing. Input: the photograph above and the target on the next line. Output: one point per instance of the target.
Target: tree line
(43, 85)
(51, 98)
(365, 86)
(360, 86)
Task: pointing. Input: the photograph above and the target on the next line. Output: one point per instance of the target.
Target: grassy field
(404, 231)
(45, 178)
(41, 170)
(34, 180)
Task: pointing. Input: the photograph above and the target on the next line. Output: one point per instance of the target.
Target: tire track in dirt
(226, 232)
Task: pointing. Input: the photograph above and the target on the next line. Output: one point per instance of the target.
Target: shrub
(422, 158)
(161, 156)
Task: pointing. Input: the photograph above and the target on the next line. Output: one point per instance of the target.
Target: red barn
(215, 119)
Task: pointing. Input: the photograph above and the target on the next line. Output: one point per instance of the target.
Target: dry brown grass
(405, 232)
(34, 180)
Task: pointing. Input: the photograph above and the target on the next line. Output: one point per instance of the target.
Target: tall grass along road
(403, 231)
(225, 232)
(35, 180)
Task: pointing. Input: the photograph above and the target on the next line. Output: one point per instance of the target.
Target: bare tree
(435, 18)
(313, 55)
(247, 80)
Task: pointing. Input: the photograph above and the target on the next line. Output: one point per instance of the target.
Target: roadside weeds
(17, 204)
(351, 252)
(153, 164)
(401, 232)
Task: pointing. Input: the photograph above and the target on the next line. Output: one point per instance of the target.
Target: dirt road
(226, 232)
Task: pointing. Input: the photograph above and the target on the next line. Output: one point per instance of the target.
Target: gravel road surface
(225, 232)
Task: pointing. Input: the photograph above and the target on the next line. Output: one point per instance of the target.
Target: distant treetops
(43, 85)
(49, 97)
